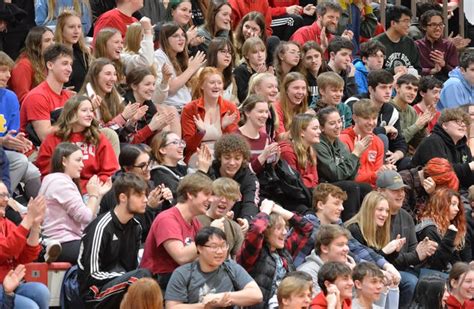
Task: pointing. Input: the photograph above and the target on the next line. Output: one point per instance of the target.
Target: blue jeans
(32, 295)
(407, 288)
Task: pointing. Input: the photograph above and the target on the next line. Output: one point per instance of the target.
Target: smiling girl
(217, 23)
(221, 56)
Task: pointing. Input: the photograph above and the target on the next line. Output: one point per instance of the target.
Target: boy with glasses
(438, 56)
(212, 280)
(401, 53)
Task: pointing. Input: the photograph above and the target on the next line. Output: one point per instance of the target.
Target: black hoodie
(440, 145)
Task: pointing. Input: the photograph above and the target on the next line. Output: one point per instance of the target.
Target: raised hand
(323, 38)
(167, 72)
(195, 62)
(200, 125)
(309, 9)
(228, 119)
(130, 110)
(204, 159)
(13, 279)
(361, 144)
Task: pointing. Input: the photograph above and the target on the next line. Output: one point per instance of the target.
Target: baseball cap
(390, 180)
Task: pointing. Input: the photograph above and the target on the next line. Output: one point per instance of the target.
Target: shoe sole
(53, 253)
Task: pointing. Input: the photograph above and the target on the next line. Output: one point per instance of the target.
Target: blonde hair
(133, 38)
(375, 236)
(288, 111)
(303, 153)
(292, 285)
(76, 6)
(252, 45)
(226, 187)
(329, 79)
(58, 34)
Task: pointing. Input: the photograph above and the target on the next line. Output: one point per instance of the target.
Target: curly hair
(229, 143)
(437, 210)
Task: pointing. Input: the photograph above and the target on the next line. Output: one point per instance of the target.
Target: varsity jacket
(108, 250)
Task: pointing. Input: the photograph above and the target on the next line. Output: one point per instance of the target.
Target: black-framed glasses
(143, 166)
(459, 122)
(177, 142)
(215, 248)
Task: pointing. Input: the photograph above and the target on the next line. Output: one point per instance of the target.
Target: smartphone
(91, 93)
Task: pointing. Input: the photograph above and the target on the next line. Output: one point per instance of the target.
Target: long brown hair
(100, 49)
(112, 104)
(303, 153)
(58, 34)
(210, 22)
(437, 210)
(32, 51)
(69, 116)
(212, 51)
(288, 111)
(258, 18)
(280, 51)
(180, 61)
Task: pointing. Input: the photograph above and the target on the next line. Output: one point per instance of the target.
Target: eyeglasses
(5, 195)
(177, 142)
(215, 248)
(459, 122)
(225, 51)
(143, 166)
(434, 25)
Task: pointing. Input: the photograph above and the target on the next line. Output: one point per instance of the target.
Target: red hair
(202, 75)
(437, 210)
(441, 171)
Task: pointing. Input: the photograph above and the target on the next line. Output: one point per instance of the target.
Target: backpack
(283, 185)
(70, 296)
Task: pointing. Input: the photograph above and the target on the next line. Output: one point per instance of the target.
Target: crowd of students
(237, 153)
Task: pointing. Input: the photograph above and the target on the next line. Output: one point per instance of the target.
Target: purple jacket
(425, 47)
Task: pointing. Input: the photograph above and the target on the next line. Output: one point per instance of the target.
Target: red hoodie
(371, 159)
(98, 160)
(310, 33)
(453, 303)
(320, 302)
(240, 8)
(13, 247)
(309, 174)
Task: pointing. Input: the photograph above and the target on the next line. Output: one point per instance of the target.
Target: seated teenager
(460, 286)
(448, 140)
(108, 261)
(313, 65)
(170, 242)
(298, 152)
(331, 246)
(252, 24)
(335, 281)
(69, 32)
(331, 87)
(232, 154)
(173, 52)
(209, 116)
(217, 23)
(221, 56)
(225, 193)
(154, 117)
(254, 116)
(67, 215)
(267, 252)
(443, 221)
(287, 59)
(30, 70)
(212, 280)
(372, 55)
(78, 126)
(20, 245)
(340, 53)
(109, 45)
(42, 105)
(368, 283)
(266, 85)
(135, 159)
(295, 291)
(254, 56)
(293, 101)
(371, 160)
(138, 46)
(429, 90)
(15, 143)
(430, 292)
(167, 150)
(336, 164)
(327, 204)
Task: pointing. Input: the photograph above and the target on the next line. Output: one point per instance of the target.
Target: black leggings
(70, 252)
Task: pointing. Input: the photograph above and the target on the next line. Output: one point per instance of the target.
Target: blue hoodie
(456, 91)
(361, 76)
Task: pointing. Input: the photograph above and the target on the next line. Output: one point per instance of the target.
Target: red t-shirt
(22, 78)
(169, 224)
(113, 19)
(40, 102)
(433, 121)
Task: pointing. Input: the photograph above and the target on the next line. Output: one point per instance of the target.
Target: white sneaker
(53, 250)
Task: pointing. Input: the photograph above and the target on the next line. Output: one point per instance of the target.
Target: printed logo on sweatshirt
(397, 59)
(87, 149)
(114, 237)
(3, 124)
(372, 156)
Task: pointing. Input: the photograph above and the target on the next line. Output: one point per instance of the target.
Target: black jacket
(247, 207)
(242, 75)
(169, 176)
(108, 250)
(440, 145)
(80, 66)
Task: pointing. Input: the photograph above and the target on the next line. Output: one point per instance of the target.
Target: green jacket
(335, 162)
(413, 134)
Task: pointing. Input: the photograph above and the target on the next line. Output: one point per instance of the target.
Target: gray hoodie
(311, 266)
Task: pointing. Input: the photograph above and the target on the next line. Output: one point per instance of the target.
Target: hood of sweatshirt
(448, 140)
(313, 257)
(456, 74)
(360, 66)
